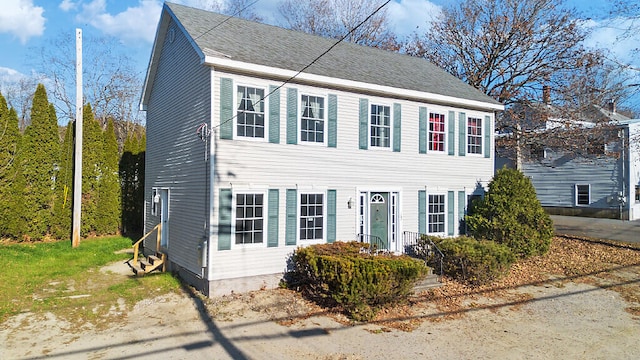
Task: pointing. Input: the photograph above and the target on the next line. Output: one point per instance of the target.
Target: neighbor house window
(474, 135)
(250, 116)
(637, 193)
(249, 218)
(311, 216)
(436, 132)
(312, 126)
(583, 194)
(436, 215)
(380, 126)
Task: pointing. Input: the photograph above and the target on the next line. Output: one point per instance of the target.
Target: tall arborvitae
(92, 159)
(61, 223)
(9, 146)
(132, 182)
(38, 160)
(108, 221)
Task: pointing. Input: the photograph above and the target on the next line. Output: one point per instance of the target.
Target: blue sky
(26, 25)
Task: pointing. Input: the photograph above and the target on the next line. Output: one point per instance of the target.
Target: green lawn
(54, 277)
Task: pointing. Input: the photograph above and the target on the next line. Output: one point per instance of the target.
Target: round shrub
(475, 262)
(511, 214)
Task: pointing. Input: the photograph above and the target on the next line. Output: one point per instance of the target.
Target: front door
(379, 213)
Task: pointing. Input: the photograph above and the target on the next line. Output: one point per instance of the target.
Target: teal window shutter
(274, 114)
(487, 136)
(450, 212)
(462, 131)
(332, 126)
(462, 204)
(331, 216)
(451, 134)
(224, 219)
(226, 108)
(422, 211)
(272, 225)
(422, 130)
(397, 126)
(364, 124)
(291, 220)
(292, 116)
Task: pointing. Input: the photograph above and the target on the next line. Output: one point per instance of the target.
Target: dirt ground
(581, 302)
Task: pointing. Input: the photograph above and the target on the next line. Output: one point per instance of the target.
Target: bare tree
(110, 83)
(238, 8)
(336, 18)
(529, 55)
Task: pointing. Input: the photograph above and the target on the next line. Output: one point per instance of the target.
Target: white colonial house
(261, 140)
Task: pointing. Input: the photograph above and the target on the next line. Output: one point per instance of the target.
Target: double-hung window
(436, 132)
(380, 122)
(583, 194)
(312, 216)
(474, 135)
(249, 218)
(312, 127)
(436, 214)
(250, 119)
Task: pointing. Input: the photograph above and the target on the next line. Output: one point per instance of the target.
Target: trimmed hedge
(474, 262)
(346, 276)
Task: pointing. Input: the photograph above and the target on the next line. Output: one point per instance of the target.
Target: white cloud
(409, 16)
(136, 23)
(613, 35)
(22, 19)
(67, 5)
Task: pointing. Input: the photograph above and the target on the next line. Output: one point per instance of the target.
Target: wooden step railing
(152, 262)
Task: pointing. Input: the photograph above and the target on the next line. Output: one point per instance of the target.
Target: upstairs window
(312, 127)
(436, 132)
(380, 126)
(474, 135)
(250, 120)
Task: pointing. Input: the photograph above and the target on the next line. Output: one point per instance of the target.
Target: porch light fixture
(349, 202)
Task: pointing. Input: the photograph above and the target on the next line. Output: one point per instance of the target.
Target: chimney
(612, 106)
(546, 94)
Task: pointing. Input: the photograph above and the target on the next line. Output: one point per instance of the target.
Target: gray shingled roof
(241, 40)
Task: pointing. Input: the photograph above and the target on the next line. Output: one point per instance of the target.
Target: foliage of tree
(92, 172)
(238, 8)
(62, 219)
(529, 55)
(511, 214)
(336, 18)
(108, 212)
(38, 162)
(131, 169)
(9, 147)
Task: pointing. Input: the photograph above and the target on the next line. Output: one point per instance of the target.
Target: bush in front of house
(345, 275)
(511, 214)
(476, 262)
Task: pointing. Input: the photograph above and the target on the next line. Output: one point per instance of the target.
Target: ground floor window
(311, 216)
(249, 218)
(436, 215)
(583, 194)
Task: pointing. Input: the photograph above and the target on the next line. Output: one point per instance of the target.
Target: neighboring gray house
(605, 182)
(257, 144)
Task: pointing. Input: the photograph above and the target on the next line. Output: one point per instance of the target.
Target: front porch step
(429, 282)
(147, 265)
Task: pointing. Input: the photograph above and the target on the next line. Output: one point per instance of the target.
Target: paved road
(609, 229)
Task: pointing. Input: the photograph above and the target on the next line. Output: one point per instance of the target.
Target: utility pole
(77, 168)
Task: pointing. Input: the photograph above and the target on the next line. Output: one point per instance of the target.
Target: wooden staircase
(157, 261)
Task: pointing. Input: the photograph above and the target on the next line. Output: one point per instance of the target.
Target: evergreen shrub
(511, 214)
(476, 262)
(346, 276)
